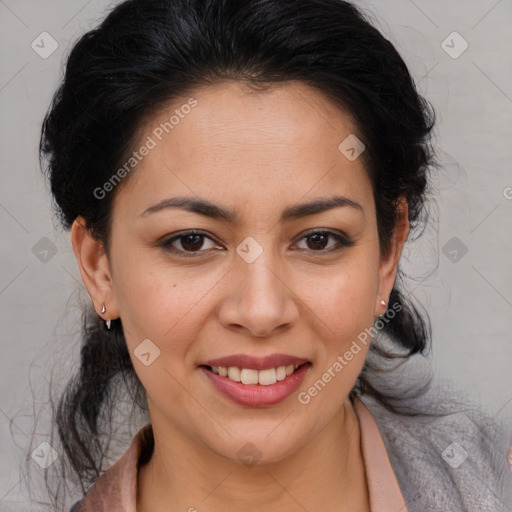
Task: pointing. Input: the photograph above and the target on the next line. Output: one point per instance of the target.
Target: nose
(260, 301)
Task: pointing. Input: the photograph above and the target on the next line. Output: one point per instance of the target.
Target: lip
(256, 395)
(255, 363)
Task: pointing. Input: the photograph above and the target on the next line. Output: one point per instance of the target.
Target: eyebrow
(208, 209)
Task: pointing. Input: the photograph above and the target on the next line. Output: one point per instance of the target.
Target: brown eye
(189, 242)
(317, 241)
(192, 242)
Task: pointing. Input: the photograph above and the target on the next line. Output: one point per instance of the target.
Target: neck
(181, 476)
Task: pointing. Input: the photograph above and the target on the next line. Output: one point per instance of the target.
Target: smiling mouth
(249, 376)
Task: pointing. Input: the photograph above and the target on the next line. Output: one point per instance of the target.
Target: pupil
(316, 241)
(194, 245)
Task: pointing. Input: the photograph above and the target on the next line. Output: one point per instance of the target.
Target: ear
(389, 263)
(95, 269)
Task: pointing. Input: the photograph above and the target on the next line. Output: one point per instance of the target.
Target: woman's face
(256, 284)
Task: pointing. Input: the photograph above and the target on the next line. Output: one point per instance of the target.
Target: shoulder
(454, 461)
(75, 506)
(115, 489)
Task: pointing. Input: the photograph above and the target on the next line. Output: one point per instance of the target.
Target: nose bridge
(260, 300)
(258, 267)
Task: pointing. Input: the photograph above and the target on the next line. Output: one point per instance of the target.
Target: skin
(279, 148)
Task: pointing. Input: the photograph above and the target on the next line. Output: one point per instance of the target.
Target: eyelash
(167, 243)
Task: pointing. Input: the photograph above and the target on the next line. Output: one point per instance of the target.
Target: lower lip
(256, 395)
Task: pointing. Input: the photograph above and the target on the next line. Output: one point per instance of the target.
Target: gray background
(467, 294)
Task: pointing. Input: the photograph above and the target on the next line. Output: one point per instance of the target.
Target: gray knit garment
(449, 458)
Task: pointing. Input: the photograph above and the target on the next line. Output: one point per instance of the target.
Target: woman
(240, 179)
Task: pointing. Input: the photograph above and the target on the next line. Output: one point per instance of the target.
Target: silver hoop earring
(103, 309)
(108, 323)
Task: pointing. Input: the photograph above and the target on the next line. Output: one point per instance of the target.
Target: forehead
(225, 141)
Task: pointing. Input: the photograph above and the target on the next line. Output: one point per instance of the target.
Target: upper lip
(255, 363)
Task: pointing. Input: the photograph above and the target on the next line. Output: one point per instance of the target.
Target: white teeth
(281, 373)
(265, 377)
(249, 376)
(234, 373)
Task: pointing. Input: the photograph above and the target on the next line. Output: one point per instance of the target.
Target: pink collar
(385, 494)
(116, 488)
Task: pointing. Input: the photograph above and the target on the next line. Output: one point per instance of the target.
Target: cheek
(159, 304)
(165, 304)
(345, 310)
(344, 298)
(350, 318)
